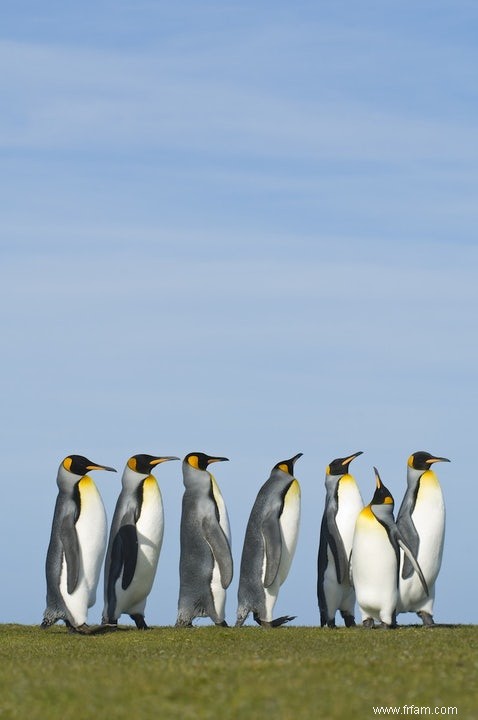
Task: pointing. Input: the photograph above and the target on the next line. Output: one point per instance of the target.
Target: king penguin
(421, 520)
(77, 545)
(135, 541)
(343, 503)
(376, 559)
(205, 565)
(269, 545)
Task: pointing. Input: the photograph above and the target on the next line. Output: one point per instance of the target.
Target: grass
(248, 673)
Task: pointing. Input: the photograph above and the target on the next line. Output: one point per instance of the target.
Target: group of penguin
(364, 556)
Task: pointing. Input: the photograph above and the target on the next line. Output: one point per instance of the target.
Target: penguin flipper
(414, 563)
(321, 567)
(334, 539)
(220, 548)
(408, 532)
(71, 548)
(129, 548)
(273, 545)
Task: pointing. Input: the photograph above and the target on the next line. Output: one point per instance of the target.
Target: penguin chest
(91, 529)
(429, 519)
(349, 506)
(289, 527)
(221, 508)
(149, 528)
(374, 565)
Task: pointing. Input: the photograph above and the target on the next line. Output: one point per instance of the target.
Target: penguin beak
(348, 460)
(377, 478)
(159, 460)
(432, 460)
(217, 459)
(100, 467)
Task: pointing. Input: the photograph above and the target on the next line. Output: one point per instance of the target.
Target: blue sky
(247, 229)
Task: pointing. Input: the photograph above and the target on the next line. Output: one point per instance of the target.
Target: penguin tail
(282, 620)
(277, 622)
(242, 613)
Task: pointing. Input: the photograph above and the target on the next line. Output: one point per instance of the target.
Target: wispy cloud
(172, 97)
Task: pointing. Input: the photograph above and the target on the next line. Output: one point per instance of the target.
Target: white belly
(91, 529)
(218, 592)
(374, 569)
(289, 528)
(429, 519)
(349, 506)
(341, 595)
(149, 528)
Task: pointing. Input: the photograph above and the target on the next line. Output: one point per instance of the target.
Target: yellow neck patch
(429, 480)
(294, 489)
(86, 483)
(367, 513)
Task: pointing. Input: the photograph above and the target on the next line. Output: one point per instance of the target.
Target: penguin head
(195, 474)
(143, 464)
(340, 466)
(200, 461)
(287, 466)
(422, 460)
(80, 465)
(382, 503)
(74, 467)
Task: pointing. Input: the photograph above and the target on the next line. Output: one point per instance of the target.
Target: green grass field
(209, 672)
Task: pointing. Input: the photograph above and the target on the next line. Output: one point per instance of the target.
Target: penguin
(376, 559)
(343, 503)
(421, 520)
(205, 565)
(135, 541)
(77, 545)
(269, 545)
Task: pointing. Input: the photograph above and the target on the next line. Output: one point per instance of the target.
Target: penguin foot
(349, 619)
(426, 618)
(184, 624)
(368, 623)
(102, 629)
(80, 629)
(331, 624)
(139, 621)
(221, 624)
(106, 627)
(109, 624)
(387, 626)
(46, 624)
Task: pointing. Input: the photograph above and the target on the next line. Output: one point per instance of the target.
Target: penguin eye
(67, 463)
(132, 463)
